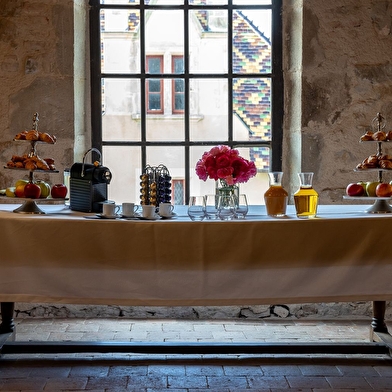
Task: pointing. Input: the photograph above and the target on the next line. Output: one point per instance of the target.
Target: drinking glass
(241, 207)
(211, 206)
(226, 205)
(197, 208)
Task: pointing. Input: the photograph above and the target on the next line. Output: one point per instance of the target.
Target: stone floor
(195, 373)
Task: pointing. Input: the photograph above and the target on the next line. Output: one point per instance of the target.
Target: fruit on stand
(10, 191)
(371, 188)
(384, 190)
(45, 189)
(59, 191)
(20, 190)
(363, 184)
(32, 191)
(20, 182)
(355, 189)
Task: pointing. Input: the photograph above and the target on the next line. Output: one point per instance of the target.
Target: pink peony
(224, 163)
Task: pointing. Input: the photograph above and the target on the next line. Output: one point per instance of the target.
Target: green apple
(371, 188)
(45, 189)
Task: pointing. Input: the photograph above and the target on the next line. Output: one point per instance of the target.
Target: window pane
(252, 2)
(154, 65)
(154, 102)
(119, 39)
(210, 106)
(172, 158)
(251, 47)
(179, 102)
(179, 85)
(124, 163)
(119, 1)
(120, 109)
(197, 186)
(178, 191)
(178, 64)
(165, 34)
(209, 2)
(208, 52)
(154, 86)
(252, 109)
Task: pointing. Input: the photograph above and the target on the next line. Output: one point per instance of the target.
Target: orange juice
(276, 200)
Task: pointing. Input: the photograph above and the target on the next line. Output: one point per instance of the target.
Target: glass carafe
(306, 198)
(276, 197)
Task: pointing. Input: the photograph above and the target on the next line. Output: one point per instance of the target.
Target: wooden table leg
(378, 320)
(7, 317)
(379, 330)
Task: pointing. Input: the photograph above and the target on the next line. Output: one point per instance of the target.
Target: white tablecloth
(63, 257)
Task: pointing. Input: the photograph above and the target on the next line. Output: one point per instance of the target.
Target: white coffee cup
(110, 209)
(148, 211)
(129, 209)
(166, 209)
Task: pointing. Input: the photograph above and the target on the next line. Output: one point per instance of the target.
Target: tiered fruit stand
(29, 205)
(379, 136)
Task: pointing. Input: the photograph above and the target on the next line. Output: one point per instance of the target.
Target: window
(154, 86)
(179, 77)
(178, 85)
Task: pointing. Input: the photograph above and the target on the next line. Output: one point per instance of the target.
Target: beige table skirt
(63, 257)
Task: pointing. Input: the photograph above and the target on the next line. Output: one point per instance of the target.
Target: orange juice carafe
(276, 197)
(306, 198)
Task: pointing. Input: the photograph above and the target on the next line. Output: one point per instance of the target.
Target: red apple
(384, 190)
(355, 190)
(59, 191)
(32, 191)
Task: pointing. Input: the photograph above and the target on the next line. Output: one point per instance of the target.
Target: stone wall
(338, 75)
(37, 75)
(313, 311)
(346, 78)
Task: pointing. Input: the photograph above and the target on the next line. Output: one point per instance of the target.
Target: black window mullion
(143, 108)
(230, 71)
(187, 102)
(277, 94)
(95, 72)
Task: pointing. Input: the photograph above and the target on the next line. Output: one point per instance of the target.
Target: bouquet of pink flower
(225, 163)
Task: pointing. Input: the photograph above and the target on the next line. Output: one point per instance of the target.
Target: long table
(70, 257)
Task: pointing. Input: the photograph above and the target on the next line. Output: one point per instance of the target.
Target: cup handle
(171, 208)
(116, 210)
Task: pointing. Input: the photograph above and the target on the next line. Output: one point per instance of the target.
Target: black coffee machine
(89, 184)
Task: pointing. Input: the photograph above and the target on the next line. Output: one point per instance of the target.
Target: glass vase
(223, 189)
(276, 196)
(306, 198)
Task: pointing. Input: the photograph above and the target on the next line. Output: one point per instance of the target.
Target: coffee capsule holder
(381, 204)
(155, 185)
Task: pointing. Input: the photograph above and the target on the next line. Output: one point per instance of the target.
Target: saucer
(134, 216)
(172, 215)
(155, 217)
(102, 216)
